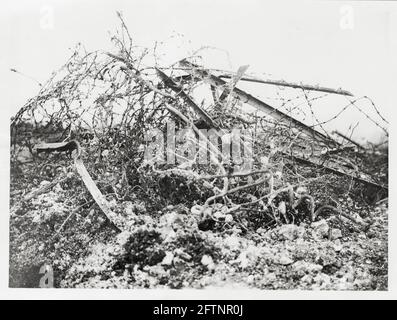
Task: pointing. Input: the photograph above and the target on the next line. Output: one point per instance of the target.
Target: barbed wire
(119, 97)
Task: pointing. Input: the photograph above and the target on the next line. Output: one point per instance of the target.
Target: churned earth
(169, 249)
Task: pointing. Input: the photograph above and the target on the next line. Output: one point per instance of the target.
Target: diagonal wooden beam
(328, 169)
(179, 91)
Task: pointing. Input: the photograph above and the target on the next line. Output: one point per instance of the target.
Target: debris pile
(121, 177)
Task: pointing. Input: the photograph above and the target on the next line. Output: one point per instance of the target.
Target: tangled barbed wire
(110, 102)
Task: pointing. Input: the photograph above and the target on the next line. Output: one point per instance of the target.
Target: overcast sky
(336, 44)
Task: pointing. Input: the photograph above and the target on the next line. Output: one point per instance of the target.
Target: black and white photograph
(208, 146)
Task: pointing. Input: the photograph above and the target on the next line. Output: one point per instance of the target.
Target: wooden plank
(95, 192)
(75, 149)
(337, 172)
(69, 146)
(179, 91)
(283, 83)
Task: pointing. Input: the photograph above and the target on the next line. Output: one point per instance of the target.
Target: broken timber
(200, 74)
(233, 82)
(168, 82)
(179, 91)
(74, 148)
(337, 172)
(214, 81)
(57, 146)
(209, 78)
(283, 83)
